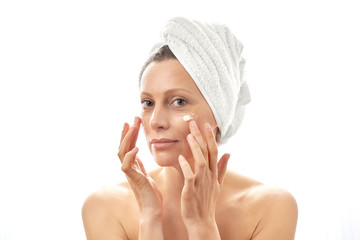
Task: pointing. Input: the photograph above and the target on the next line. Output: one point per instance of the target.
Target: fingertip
(125, 126)
(193, 125)
(226, 162)
(137, 120)
(140, 119)
(207, 127)
(227, 157)
(182, 161)
(135, 150)
(190, 137)
(181, 158)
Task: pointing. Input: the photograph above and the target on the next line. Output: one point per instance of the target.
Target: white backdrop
(69, 71)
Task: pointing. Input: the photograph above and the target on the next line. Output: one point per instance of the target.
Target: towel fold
(212, 55)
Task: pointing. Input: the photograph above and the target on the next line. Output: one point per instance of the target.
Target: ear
(217, 135)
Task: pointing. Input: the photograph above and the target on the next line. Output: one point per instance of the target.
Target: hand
(146, 192)
(201, 187)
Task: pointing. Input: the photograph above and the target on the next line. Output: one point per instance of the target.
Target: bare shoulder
(255, 192)
(104, 212)
(108, 197)
(270, 212)
(279, 212)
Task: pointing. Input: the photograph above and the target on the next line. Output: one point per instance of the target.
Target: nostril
(159, 119)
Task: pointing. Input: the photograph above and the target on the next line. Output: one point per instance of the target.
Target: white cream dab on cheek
(187, 118)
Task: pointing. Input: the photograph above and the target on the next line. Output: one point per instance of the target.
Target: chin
(166, 159)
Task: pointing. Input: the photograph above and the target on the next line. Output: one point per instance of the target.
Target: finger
(185, 168)
(221, 166)
(212, 147)
(200, 163)
(136, 128)
(141, 165)
(189, 180)
(124, 132)
(128, 161)
(195, 131)
(130, 139)
(137, 123)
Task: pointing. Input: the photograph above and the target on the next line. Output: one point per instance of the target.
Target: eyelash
(146, 101)
(180, 99)
(149, 102)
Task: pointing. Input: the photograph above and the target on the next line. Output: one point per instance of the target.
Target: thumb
(221, 166)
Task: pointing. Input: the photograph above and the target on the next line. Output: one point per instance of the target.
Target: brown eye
(179, 102)
(146, 103)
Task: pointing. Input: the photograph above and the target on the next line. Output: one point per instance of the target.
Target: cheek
(178, 128)
(182, 126)
(201, 117)
(207, 117)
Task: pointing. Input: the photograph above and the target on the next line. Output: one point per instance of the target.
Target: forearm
(150, 228)
(207, 231)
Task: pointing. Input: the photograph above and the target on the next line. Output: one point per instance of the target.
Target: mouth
(162, 143)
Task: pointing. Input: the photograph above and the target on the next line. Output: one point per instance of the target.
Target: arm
(207, 231)
(150, 227)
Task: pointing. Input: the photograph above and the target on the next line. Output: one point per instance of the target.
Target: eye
(179, 102)
(146, 103)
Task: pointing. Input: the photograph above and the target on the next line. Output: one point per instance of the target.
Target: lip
(162, 143)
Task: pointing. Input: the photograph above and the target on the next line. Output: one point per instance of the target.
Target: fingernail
(208, 127)
(191, 137)
(193, 124)
(181, 157)
(135, 149)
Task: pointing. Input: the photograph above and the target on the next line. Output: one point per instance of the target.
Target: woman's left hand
(201, 187)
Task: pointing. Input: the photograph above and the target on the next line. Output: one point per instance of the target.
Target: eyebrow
(169, 91)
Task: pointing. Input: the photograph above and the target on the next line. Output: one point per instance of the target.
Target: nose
(159, 118)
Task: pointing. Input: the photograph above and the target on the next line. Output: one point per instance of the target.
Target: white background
(69, 72)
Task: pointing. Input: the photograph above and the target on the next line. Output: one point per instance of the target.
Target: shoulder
(278, 212)
(271, 210)
(104, 196)
(107, 197)
(103, 211)
(273, 201)
(245, 188)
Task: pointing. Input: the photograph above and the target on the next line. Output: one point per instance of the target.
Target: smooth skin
(191, 195)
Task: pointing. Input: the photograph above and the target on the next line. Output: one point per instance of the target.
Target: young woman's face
(168, 93)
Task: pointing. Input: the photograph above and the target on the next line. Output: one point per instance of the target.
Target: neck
(172, 182)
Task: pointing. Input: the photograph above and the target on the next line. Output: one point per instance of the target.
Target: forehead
(165, 75)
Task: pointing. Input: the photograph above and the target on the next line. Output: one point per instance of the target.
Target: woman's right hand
(146, 192)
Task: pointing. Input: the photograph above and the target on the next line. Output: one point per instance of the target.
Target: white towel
(212, 55)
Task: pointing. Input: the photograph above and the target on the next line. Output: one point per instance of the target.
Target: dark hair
(162, 54)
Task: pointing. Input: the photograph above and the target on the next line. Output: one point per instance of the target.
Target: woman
(193, 97)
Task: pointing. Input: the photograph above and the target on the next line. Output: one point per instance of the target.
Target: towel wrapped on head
(211, 54)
